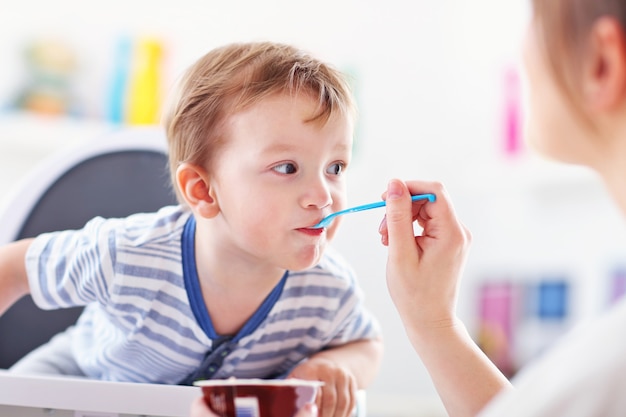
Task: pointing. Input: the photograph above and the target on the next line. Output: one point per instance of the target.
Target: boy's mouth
(312, 231)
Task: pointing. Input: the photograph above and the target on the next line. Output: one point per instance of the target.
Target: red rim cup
(258, 397)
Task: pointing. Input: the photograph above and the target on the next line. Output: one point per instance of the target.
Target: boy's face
(278, 175)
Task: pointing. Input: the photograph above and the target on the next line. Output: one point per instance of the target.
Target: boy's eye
(286, 168)
(336, 168)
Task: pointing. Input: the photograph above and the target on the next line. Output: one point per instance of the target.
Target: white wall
(429, 85)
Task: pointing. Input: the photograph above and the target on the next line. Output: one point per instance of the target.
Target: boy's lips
(312, 231)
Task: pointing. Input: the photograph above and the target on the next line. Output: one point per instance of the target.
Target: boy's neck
(233, 289)
(220, 267)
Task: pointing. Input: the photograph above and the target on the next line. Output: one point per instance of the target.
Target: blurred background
(438, 87)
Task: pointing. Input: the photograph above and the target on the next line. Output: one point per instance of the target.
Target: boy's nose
(317, 194)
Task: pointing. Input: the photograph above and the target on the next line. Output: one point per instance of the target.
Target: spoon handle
(326, 220)
(429, 197)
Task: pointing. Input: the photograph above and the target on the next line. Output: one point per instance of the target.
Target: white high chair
(118, 174)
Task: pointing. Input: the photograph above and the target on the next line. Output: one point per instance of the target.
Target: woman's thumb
(399, 218)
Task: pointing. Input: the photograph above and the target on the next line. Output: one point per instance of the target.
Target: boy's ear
(605, 74)
(194, 185)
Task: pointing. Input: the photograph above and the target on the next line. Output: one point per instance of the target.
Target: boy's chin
(306, 261)
(302, 266)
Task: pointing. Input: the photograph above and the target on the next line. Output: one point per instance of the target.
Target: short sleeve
(70, 268)
(352, 321)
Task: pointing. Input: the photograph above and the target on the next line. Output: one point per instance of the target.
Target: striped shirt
(145, 319)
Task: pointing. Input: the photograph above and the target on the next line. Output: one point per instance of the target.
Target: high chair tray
(59, 396)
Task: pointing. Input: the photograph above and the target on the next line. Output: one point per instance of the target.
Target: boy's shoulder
(173, 214)
(141, 228)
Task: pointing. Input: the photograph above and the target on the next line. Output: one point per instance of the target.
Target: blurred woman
(575, 60)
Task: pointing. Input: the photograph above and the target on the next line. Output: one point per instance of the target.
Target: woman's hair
(563, 27)
(230, 78)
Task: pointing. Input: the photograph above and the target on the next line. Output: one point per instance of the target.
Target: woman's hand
(423, 274)
(423, 271)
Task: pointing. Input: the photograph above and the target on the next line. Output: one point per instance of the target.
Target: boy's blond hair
(232, 77)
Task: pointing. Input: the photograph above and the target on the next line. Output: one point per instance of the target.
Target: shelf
(45, 134)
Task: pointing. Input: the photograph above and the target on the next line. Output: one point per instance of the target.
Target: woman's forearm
(464, 377)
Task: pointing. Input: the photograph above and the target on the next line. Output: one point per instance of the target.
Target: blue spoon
(328, 219)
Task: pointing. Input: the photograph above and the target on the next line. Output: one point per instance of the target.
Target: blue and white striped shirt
(145, 319)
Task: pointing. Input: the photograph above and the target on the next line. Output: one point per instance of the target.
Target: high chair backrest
(115, 175)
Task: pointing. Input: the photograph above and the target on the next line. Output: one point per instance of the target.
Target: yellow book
(144, 95)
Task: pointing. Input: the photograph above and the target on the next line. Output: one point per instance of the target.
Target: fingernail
(394, 189)
(383, 224)
(311, 408)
